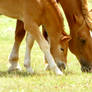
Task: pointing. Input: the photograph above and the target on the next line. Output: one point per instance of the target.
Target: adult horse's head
(59, 51)
(81, 43)
(81, 46)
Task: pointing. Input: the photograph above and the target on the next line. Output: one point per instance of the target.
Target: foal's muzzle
(61, 65)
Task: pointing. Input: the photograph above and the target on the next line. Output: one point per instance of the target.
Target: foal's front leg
(14, 56)
(35, 32)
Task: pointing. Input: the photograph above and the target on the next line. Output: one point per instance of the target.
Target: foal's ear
(66, 38)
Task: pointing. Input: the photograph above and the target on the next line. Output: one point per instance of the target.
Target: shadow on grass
(71, 73)
(23, 74)
(14, 73)
(75, 73)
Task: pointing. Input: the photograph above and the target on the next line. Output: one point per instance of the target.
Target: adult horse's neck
(73, 12)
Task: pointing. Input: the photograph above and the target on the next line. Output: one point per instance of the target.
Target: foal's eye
(61, 49)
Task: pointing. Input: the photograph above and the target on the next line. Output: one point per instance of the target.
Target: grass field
(43, 81)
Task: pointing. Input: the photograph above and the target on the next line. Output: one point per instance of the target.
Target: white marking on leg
(29, 44)
(13, 58)
(52, 63)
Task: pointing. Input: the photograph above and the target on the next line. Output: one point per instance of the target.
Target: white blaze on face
(90, 33)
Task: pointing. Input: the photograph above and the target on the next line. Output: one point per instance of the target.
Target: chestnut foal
(30, 12)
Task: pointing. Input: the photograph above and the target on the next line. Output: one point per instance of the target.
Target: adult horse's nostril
(61, 65)
(86, 69)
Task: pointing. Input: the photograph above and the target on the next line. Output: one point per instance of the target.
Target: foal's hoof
(13, 68)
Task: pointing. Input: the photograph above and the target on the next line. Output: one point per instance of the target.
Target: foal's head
(58, 39)
(59, 51)
(59, 48)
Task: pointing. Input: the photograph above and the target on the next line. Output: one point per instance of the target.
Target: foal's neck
(53, 19)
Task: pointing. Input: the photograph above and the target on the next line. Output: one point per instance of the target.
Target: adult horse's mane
(86, 13)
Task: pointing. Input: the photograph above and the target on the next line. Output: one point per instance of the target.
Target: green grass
(72, 81)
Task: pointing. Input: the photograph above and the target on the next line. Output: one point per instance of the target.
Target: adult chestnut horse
(30, 12)
(76, 12)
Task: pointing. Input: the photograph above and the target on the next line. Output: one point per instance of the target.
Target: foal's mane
(86, 13)
(54, 5)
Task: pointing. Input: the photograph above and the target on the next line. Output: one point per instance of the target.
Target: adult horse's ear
(66, 38)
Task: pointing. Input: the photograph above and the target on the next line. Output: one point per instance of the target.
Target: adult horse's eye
(83, 41)
(61, 49)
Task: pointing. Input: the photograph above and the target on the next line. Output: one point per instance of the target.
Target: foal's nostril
(61, 65)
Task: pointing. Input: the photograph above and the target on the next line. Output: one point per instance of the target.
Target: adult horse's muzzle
(86, 69)
(85, 66)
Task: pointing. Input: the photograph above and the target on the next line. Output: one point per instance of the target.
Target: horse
(34, 13)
